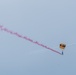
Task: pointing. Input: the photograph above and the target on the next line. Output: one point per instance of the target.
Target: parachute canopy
(62, 46)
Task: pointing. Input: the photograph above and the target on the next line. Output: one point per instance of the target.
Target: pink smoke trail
(28, 39)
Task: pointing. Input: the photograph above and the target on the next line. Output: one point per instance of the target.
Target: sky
(49, 22)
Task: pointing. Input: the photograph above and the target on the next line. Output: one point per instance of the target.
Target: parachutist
(62, 46)
(62, 52)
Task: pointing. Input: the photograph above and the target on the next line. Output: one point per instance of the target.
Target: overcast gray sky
(50, 22)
